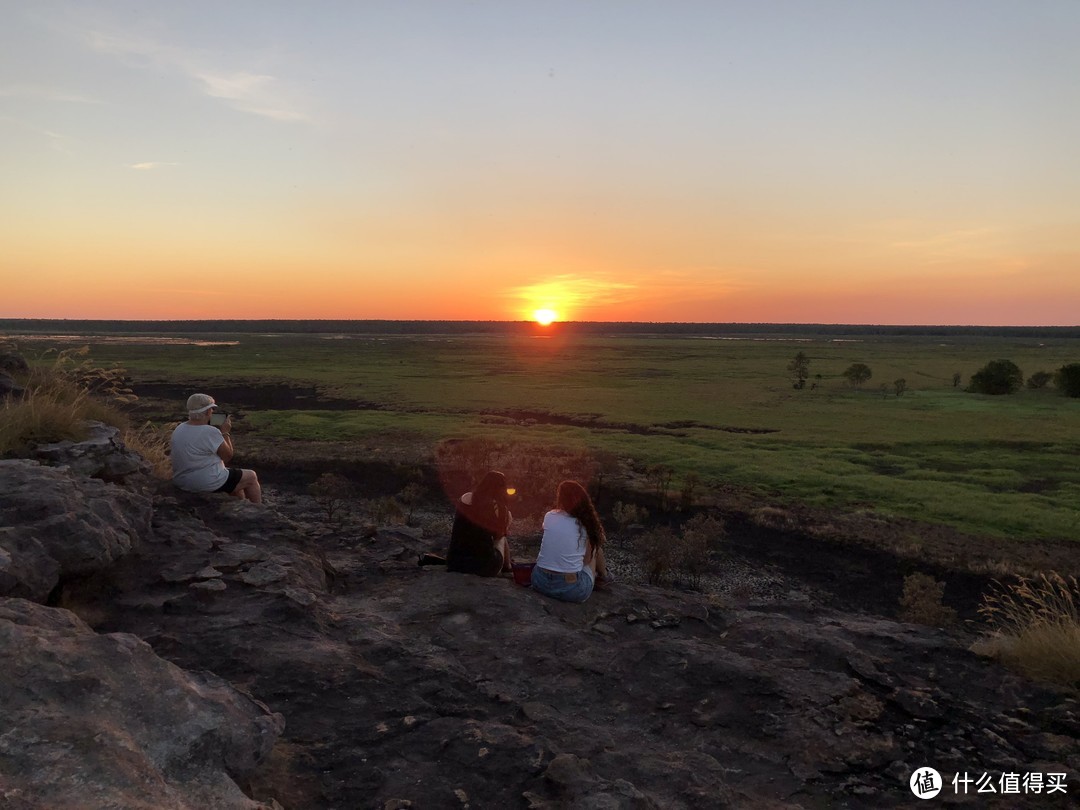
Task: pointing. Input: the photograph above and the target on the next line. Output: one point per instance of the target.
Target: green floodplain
(716, 403)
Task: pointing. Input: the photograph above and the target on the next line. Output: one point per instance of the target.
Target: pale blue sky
(813, 161)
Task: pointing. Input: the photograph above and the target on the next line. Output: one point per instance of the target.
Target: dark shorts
(231, 481)
(487, 566)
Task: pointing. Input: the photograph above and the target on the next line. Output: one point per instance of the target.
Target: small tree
(997, 377)
(606, 466)
(660, 475)
(1067, 379)
(409, 498)
(691, 482)
(900, 386)
(799, 368)
(332, 492)
(1040, 379)
(857, 374)
(956, 380)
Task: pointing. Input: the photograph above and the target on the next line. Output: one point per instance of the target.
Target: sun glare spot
(545, 317)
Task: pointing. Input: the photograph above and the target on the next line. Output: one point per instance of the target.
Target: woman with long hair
(571, 560)
(478, 543)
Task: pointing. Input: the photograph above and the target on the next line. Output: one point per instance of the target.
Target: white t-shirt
(196, 465)
(563, 546)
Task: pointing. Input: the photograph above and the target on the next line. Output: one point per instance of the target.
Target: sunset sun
(545, 317)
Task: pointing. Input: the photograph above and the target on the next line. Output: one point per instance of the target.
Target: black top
(472, 546)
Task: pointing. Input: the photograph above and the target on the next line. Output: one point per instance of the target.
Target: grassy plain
(724, 409)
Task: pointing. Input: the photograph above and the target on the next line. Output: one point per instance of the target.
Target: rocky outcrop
(57, 523)
(9, 387)
(13, 363)
(12, 366)
(100, 721)
(408, 687)
(102, 454)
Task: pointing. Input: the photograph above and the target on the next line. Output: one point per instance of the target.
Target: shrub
(921, 602)
(1040, 379)
(997, 377)
(692, 553)
(900, 386)
(683, 557)
(384, 511)
(626, 514)
(1037, 627)
(1067, 378)
(656, 551)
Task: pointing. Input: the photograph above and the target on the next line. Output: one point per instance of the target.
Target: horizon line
(554, 324)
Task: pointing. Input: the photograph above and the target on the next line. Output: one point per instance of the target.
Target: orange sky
(836, 163)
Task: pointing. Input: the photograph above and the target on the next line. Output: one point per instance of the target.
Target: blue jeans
(555, 585)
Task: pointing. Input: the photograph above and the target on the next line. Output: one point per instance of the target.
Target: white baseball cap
(200, 403)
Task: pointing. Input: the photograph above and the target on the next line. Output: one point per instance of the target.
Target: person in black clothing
(478, 542)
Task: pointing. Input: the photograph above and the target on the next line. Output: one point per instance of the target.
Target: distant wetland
(685, 417)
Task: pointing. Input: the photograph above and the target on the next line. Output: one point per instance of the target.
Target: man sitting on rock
(200, 452)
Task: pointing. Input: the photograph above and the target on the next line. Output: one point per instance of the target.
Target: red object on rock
(523, 573)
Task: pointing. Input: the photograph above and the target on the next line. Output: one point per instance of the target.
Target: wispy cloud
(949, 240)
(250, 92)
(256, 93)
(150, 165)
(56, 140)
(44, 93)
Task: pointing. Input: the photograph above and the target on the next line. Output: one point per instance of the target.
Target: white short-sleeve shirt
(562, 548)
(196, 465)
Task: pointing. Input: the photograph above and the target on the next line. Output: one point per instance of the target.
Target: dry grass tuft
(152, 443)
(1037, 625)
(38, 418)
(60, 397)
(773, 517)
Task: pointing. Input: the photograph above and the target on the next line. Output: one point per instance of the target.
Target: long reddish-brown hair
(490, 504)
(575, 501)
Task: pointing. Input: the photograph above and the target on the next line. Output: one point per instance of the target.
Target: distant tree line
(391, 327)
(1005, 377)
(995, 378)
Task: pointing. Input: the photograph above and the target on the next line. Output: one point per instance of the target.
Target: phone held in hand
(218, 419)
